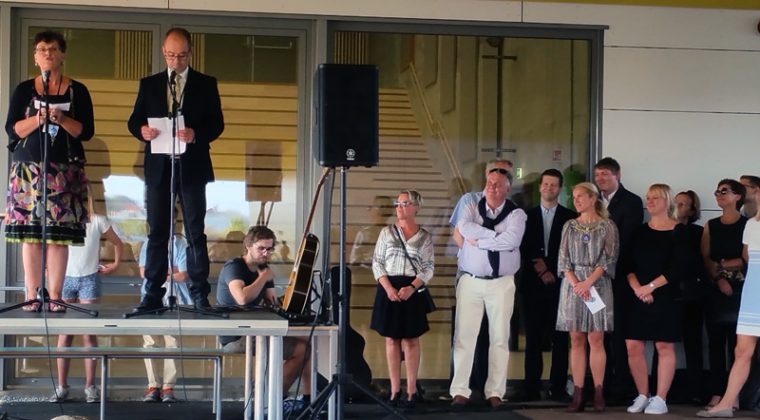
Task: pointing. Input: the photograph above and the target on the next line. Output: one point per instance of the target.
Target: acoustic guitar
(296, 297)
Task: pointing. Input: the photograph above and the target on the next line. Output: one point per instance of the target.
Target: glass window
(449, 104)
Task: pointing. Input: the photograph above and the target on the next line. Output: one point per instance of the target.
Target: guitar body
(296, 297)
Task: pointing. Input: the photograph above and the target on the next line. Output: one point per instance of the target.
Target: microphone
(172, 78)
(45, 78)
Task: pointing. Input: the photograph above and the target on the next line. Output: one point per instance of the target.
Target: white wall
(681, 92)
(681, 86)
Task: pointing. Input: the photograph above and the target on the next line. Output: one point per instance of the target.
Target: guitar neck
(307, 227)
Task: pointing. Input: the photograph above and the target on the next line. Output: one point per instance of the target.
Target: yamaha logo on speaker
(350, 154)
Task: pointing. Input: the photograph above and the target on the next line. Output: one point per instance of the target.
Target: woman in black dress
(402, 264)
(722, 254)
(70, 121)
(692, 293)
(654, 268)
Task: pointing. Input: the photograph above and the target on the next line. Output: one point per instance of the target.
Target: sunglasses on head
(723, 191)
(499, 170)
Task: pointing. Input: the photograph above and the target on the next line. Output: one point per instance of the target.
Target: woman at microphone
(67, 115)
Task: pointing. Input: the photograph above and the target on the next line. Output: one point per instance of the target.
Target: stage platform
(231, 411)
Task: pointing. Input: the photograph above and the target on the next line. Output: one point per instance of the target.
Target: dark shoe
(459, 402)
(413, 400)
(559, 396)
(201, 303)
(576, 405)
(599, 404)
(394, 399)
(494, 403)
(149, 304)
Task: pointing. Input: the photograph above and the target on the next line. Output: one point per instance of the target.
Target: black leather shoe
(148, 304)
(201, 303)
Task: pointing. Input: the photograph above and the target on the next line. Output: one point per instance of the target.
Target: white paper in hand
(595, 304)
(163, 143)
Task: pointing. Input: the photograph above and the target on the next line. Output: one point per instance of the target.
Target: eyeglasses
(499, 170)
(45, 50)
(723, 191)
(173, 56)
(402, 204)
(264, 248)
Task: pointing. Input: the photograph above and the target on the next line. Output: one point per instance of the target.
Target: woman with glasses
(748, 328)
(722, 255)
(588, 255)
(654, 266)
(67, 116)
(402, 264)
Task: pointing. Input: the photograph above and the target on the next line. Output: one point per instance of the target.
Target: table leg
(261, 371)
(275, 378)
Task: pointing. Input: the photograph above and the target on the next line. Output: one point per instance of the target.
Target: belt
(481, 277)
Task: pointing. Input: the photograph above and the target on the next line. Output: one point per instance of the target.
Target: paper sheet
(595, 304)
(163, 143)
(64, 106)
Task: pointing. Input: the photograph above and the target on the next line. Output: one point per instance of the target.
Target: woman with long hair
(587, 256)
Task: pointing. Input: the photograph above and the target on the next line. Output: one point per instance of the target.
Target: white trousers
(497, 298)
(170, 365)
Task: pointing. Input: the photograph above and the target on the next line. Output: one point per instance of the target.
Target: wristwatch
(651, 284)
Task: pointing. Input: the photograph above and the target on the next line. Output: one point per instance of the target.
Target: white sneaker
(656, 406)
(60, 394)
(639, 404)
(91, 394)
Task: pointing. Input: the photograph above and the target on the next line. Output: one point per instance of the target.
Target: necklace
(586, 229)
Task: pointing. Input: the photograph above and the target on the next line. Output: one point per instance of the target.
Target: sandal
(54, 307)
(32, 307)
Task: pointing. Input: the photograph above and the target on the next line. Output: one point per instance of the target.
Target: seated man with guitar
(248, 281)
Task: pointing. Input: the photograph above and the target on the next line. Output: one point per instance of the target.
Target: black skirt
(405, 319)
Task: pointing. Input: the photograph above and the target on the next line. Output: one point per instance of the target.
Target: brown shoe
(459, 402)
(576, 405)
(494, 402)
(599, 404)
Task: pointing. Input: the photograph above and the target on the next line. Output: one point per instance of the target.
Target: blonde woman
(655, 266)
(748, 328)
(402, 264)
(587, 257)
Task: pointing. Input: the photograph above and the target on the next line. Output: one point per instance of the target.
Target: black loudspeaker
(347, 115)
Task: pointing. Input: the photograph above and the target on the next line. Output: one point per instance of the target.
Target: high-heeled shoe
(599, 403)
(576, 405)
(394, 399)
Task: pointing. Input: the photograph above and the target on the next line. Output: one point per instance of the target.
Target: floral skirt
(66, 207)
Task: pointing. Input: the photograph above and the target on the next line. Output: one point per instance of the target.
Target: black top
(653, 253)
(726, 240)
(694, 276)
(63, 146)
(532, 246)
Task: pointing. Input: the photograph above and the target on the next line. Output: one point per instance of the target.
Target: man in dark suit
(540, 287)
(627, 211)
(195, 97)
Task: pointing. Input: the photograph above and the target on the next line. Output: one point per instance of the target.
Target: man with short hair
(540, 284)
(627, 211)
(480, 362)
(491, 231)
(249, 281)
(197, 101)
(751, 183)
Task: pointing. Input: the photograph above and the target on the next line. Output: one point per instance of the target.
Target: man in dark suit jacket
(627, 211)
(197, 100)
(540, 287)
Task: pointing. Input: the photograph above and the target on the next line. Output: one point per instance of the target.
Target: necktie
(547, 231)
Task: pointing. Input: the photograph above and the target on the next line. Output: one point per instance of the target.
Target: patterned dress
(66, 206)
(585, 247)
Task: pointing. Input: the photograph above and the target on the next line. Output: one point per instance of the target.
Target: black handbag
(424, 292)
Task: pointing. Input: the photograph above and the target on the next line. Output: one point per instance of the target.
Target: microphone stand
(42, 300)
(172, 304)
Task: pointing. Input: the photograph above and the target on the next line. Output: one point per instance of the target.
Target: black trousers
(721, 342)
(540, 309)
(618, 382)
(692, 345)
(192, 199)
